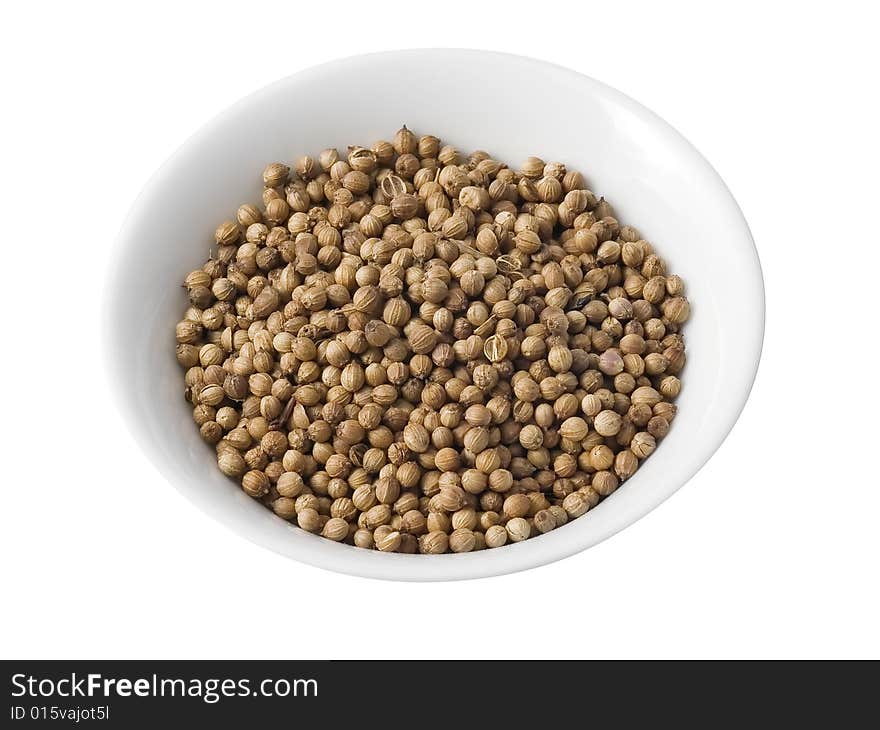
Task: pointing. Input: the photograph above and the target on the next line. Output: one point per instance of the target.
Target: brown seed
(544, 521)
(676, 310)
(416, 437)
(607, 423)
(335, 529)
(389, 543)
(266, 302)
(309, 519)
(518, 529)
(434, 543)
(404, 206)
(642, 445)
(285, 508)
(574, 428)
(496, 536)
(232, 464)
(255, 483)
(575, 505)
(462, 541)
(517, 505)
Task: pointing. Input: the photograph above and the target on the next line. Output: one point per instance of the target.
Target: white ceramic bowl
(512, 107)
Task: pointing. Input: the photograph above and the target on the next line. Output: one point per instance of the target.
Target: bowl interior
(512, 107)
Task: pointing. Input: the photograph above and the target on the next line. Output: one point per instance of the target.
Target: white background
(770, 551)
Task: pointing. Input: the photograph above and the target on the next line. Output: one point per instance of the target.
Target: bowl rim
(512, 558)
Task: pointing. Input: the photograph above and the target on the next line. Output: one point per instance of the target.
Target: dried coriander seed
(410, 349)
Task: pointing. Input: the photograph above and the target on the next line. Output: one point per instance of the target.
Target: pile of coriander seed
(408, 349)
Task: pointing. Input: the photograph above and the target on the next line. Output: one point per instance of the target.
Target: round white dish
(513, 107)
